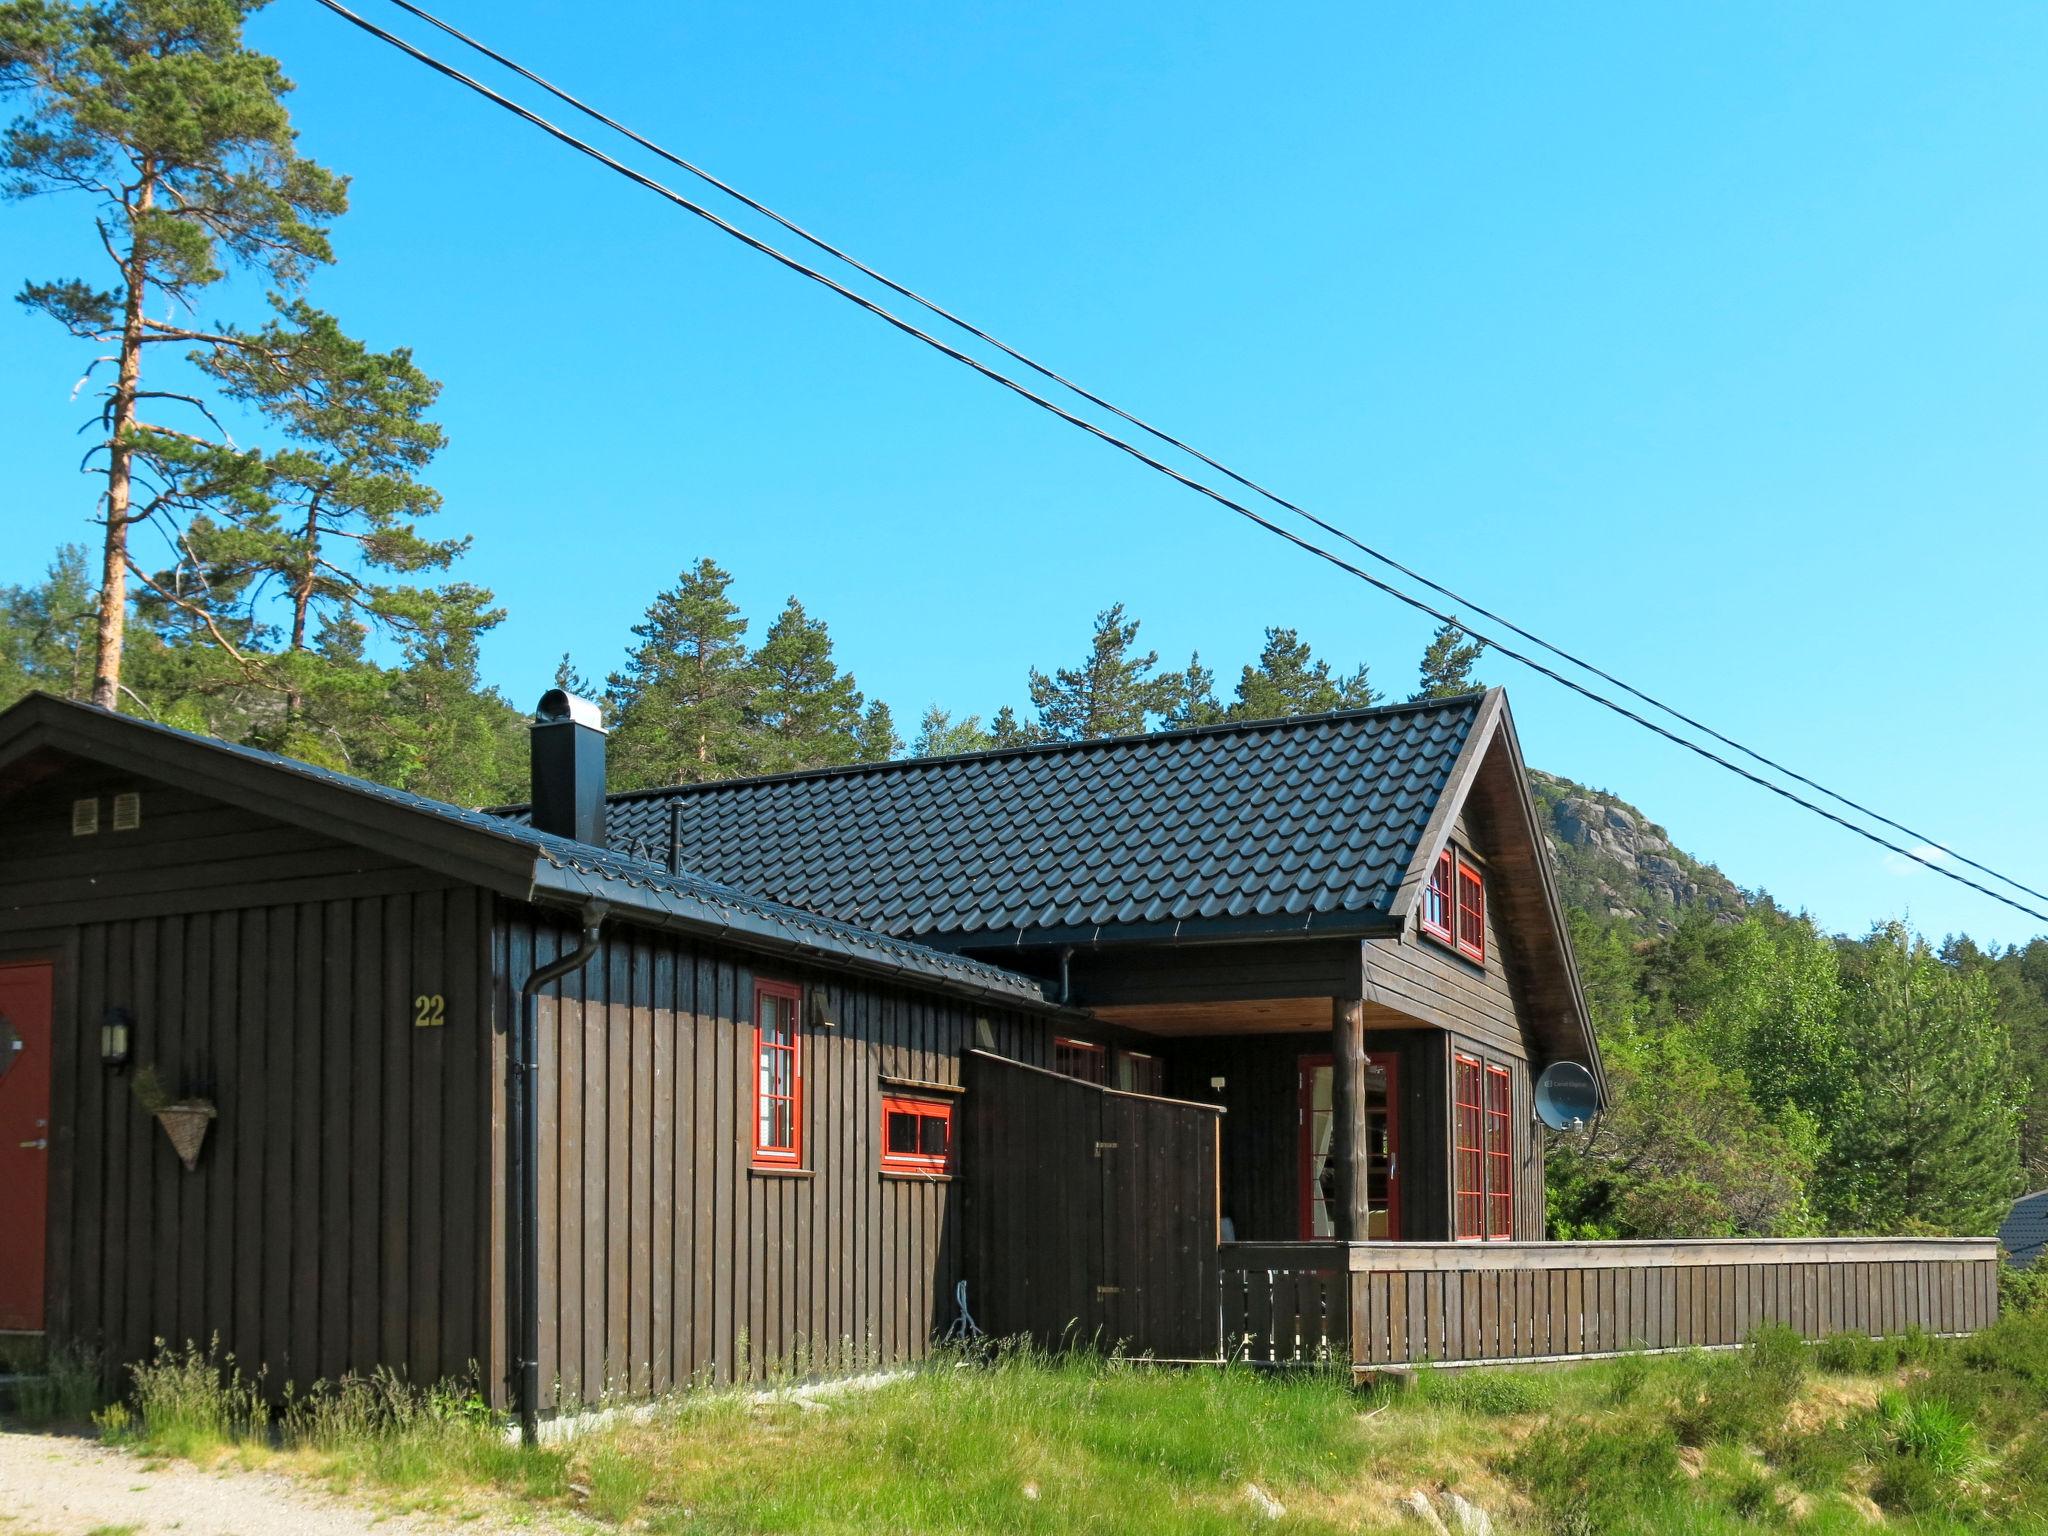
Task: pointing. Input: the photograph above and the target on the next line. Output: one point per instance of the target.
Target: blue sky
(1704, 340)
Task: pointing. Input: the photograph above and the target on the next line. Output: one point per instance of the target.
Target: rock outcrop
(1612, 860)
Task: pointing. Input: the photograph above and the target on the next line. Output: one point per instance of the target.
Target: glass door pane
(1318, 1129)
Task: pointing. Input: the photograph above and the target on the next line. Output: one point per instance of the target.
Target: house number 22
(429, 1011)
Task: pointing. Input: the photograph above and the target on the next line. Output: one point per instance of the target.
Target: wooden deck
(1384, 1305)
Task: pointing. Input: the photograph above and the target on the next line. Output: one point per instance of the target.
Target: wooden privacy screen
(1090, 1213)
(1449, 1302)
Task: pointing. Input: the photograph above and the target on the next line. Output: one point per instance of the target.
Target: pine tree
(678, 707)
(877, 741)
(1006, 730)
(1931, 1141)
(940, 735)
(804, 712)
(46, 636)
(1289, 680)
(1112, 693)
(1192, 699)
(572, 681)
(1446, 669)
(156, 112)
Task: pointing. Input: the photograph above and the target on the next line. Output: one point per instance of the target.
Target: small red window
(917, 1135)
(1500, 1163)
(1468, 1155)
(1437, 898)
(778, 1075)
(1471, 911)
(1081, 1058)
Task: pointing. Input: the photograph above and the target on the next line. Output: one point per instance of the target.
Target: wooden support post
(1347, 1114)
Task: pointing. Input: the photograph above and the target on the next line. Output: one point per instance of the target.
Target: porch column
(1347, 1116)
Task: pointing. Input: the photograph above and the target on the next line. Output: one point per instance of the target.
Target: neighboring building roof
(1306, 825)
(2024, 1232)
(488, 850)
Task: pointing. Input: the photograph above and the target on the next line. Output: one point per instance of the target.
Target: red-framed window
(1438, 899)
(1468, 1156)
(1081, 1058)
(1500, 1161)
(917, 1135)
(778, 1075)
(1471, 911)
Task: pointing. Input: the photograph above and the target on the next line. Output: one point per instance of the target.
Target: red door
(24, 1141)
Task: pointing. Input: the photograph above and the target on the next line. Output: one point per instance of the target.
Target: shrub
(1584, 1479)
(1631, 1373)
(2021, 1291)
(1732, 1398)
(1926, 1451)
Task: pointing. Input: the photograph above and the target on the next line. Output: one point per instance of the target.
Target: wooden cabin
(1209, 1043)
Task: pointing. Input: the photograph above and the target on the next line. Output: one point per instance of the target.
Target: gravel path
(66, 1487)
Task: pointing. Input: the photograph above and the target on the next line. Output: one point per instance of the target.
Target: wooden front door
(1315, 1174)
(25, 992)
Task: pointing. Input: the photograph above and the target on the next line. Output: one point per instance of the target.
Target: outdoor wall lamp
(116, 1027)
(821, 1009)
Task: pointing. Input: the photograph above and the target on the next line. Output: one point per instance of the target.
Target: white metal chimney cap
(558, 705)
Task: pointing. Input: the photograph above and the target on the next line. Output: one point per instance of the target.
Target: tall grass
(1015, 1439)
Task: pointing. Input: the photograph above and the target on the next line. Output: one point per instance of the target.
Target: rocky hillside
(1613, 861)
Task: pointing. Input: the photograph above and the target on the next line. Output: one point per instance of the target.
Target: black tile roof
(2024, 1233)
(1307, 824)
(567, 870)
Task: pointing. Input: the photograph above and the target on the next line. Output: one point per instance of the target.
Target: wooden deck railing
(1458, 1303)
(1285, 1303)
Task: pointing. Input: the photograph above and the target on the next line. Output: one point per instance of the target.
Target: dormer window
(1454, 905)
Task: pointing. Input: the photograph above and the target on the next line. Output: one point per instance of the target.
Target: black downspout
(525, 1090)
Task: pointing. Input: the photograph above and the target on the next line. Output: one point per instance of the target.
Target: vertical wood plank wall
(667, 1259)
(334, 1221)
(1090, 1214)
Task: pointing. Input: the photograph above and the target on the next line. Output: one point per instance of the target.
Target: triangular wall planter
(186, 1124)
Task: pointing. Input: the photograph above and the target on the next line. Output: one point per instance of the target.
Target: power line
(1159, 434)
(793, 264)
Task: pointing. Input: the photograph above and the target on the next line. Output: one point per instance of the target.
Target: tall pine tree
(679, 706)
(1288, 679)
(804, 712)
(1114, 692)
(1447, 663)
(155, 113)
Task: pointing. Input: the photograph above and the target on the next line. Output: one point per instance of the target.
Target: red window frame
(1500, 1158)
(1468, 1159)
(1437, 900)
(778, 1074)
(1083, 1060)
(917, 1161)
(1471, 913)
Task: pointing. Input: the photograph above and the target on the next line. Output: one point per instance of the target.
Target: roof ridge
(1040, 748)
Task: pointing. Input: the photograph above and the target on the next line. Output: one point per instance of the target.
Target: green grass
(1923, 1436)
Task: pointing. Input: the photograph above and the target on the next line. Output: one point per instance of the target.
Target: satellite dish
(1566, 1096)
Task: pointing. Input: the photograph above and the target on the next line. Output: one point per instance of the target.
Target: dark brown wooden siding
(665, 1257)
(1426, 980)
(1089, 1215)
(334, 1221)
